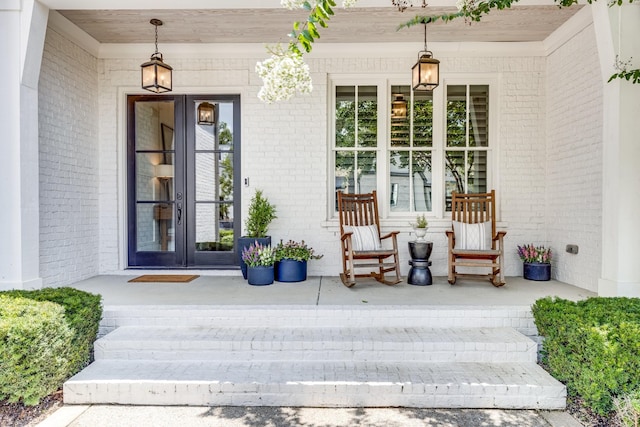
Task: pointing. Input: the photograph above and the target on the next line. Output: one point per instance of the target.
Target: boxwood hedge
(593, 346)
(46, 336)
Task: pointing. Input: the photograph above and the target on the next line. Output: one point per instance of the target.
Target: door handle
(179, 209)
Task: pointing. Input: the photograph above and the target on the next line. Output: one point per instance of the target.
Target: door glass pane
(154, 179)
(225, 125)
(154, 228)
(213, 232)
(206, 172)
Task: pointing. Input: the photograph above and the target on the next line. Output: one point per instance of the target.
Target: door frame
(182, 257)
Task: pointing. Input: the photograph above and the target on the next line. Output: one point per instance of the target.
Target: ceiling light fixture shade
(425, 75)
(206, 114)
(399, 107)
(156, 75)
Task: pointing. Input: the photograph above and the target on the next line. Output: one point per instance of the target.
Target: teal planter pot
(536, 271)
(289, 270)
(260, 276)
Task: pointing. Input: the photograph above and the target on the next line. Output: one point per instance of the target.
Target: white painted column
(22, 29)
(618, 32)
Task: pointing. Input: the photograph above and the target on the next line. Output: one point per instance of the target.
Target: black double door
(183, 167)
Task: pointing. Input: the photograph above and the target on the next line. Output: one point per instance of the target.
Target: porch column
(618, 32)
(23, 27)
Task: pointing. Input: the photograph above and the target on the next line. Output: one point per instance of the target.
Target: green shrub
(35, 348)
(592, 346)
(82, 311)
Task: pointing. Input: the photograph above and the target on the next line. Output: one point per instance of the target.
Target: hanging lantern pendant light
(156, 75)
(425, 75)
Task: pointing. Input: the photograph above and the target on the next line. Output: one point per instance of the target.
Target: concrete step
(317, 343)
(378, 356)
(441, 316)
(316, 383)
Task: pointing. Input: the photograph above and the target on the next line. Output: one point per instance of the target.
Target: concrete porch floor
(322, 291)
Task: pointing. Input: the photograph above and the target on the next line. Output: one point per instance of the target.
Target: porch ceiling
(373, 25)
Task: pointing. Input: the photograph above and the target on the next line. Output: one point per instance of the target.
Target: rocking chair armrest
(451, 238)
(346, 235)
(499, 235)
(390, 234)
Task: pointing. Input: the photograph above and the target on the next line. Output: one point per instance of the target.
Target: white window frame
(383, 149)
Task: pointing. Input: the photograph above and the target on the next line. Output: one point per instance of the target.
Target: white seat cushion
(472, 236)
(364, 237)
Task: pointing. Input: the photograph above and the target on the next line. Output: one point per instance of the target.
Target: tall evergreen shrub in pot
(260, 215)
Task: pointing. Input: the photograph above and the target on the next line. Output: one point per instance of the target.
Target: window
(467, 139)
(414, 148)
(410, 155)
(356, 138)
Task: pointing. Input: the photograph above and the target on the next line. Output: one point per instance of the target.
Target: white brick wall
(68, 153)
(285, 149)
(285, 152)
(574, 161)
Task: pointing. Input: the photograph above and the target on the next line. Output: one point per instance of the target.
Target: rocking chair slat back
(358, 209)
(474, 208)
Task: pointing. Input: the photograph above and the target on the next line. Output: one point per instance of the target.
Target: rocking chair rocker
(361, 241)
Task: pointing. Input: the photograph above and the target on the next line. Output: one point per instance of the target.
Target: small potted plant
(260, 260)
(260, 215)
(291, 261)
(420, 227)
(537, 262)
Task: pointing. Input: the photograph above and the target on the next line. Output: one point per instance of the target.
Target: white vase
(420, 233)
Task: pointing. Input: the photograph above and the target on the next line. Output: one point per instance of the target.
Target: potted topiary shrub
(259, 260)
(260, 215)
(291, 261)
(537, 262)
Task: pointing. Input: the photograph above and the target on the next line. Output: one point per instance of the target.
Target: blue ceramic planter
(536, 271)
(245, 242)
(260, 276)
(289, 270)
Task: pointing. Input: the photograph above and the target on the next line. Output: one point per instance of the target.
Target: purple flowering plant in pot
(536, 262)
(260, 260)
(291, 261)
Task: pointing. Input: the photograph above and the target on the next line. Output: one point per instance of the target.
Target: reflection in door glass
(154, 160)
(212, 235)
(214, 180)
(155, 227)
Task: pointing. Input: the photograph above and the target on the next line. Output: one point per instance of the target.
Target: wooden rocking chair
(473, 240)
(361, 241)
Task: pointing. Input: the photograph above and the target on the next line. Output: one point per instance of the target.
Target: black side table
(419, 273)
